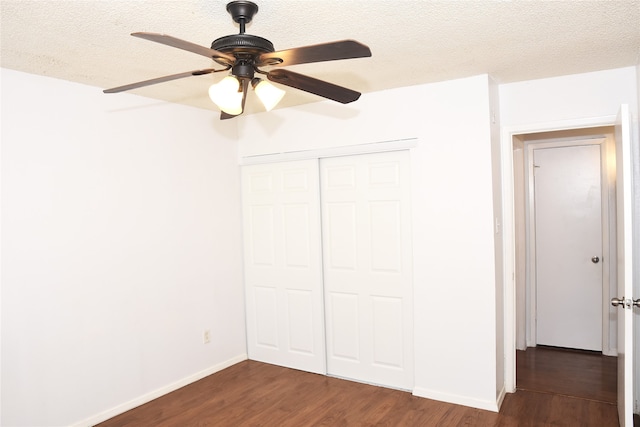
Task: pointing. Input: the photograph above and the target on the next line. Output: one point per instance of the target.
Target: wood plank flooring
(576, 373)
(257, 394)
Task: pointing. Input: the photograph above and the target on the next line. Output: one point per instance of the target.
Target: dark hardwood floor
(257, 394)
(575, 373)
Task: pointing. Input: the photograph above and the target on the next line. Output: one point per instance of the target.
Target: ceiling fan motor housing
(245, 48)
(242, 43)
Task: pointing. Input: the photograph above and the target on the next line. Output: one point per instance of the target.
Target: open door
(624, 301)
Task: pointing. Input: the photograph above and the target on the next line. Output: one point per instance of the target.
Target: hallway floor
(574, 373)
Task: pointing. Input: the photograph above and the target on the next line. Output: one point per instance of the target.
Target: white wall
(575, 101)
(120, 245)
(568, 98)
(453, 238)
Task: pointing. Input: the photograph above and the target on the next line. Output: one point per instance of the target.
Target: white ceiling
(413, 42)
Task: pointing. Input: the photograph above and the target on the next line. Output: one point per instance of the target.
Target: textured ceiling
(413, 42)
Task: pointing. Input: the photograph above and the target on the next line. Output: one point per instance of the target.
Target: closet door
(283, 267)
(367, 268)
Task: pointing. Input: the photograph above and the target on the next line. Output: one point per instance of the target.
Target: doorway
(527, 306)
(525, 233)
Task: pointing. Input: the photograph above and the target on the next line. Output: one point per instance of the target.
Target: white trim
(530, 242)
(347, 150)
(141, 400)
(584, 123)
(501, 394)
(506, 140)
(456, 399)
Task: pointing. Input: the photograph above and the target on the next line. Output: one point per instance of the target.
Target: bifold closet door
(283, 264)
(367, 267)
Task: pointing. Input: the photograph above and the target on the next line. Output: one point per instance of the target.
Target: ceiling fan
(244, 55)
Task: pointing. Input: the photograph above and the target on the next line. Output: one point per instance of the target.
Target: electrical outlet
(206, 336)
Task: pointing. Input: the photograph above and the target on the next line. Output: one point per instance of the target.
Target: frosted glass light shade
(268, 94)
(226, 96)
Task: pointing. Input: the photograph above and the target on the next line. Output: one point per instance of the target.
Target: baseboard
(120, 409)
(500, 398)
(487, 405)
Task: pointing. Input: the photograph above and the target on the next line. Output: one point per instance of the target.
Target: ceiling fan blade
(344, 49)
(315, 86)
(245, 89)
(162, 79)
(185, 45)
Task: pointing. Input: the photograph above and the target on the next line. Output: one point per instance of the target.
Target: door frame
(508, 219)
(530, 239)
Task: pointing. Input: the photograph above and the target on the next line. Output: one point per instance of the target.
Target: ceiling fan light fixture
(245, 54)
(268, 94)
(227, 95)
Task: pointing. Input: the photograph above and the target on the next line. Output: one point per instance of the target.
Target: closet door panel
(283, 264)
(367, 267)
(344, 326)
